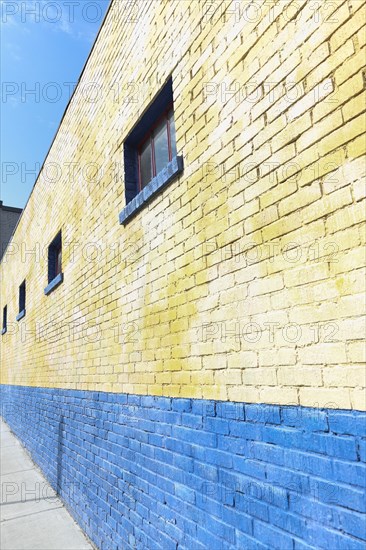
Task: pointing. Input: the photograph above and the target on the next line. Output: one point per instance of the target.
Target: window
(21, 302)
(158, 149)
(5, 320)
(55, 275)
(150, 154)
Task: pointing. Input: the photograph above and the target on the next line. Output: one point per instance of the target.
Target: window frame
(5, 320)
(22, 300)
(55, 274)
(137, 196)
(149, 136)
(58, 259)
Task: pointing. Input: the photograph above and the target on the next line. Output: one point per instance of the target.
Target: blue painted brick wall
(143, 472)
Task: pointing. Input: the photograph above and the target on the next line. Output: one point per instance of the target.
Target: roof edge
(60, 123)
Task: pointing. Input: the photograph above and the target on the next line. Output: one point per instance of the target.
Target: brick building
(183, 302)
(9, 217)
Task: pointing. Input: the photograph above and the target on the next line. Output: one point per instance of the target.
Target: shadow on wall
(61, 430)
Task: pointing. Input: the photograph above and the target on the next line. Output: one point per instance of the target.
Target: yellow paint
(200, 295)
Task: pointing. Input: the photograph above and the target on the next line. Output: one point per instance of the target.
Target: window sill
(4, 331)
(156, 185)
(20, 315)
(54, 283)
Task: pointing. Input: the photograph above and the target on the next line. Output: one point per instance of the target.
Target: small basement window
(150, 154)
(21, 313)
(55, 275)
(5, 320)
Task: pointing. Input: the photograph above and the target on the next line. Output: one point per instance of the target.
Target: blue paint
(54, 283)
(156, 185)
(20, 315)
(149, 472)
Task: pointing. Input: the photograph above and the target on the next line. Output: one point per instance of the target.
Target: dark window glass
(5, 317)
(145, 164)
(22, 297)
(161, 147)
(55, 257)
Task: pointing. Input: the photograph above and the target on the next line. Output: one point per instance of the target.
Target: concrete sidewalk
(32, 516)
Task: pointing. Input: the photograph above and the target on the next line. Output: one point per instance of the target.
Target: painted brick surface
(197, 379)
(151, 472)
(244, 280)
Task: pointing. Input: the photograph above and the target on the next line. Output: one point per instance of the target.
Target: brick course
(155, 472)
(266, 221)
(215, 340)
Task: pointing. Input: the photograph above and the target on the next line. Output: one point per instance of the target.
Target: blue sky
(44, 47)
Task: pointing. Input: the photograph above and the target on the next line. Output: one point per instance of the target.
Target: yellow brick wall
(244, 280)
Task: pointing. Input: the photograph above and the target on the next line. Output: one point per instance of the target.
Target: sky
(44, 46)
